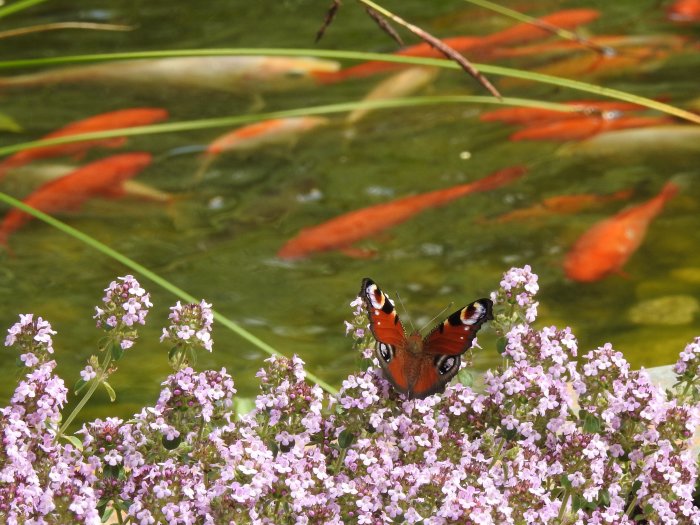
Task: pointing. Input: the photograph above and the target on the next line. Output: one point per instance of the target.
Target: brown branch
(449, 53)
(330, 15)
(384, 25)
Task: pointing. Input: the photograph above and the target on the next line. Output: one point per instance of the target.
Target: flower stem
(95, 383)
(562, 510)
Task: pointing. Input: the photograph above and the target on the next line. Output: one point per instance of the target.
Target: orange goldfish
(583, 127)
(342, 231)
(482, 46)
(562, 204)
(684, 11)
(606, 247)
(253, 136)
(530, 115)
(123, 118)
(104, 177)
(232, 74)
(525, 32)
(374, 67)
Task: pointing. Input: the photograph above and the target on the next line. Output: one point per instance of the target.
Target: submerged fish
(123, 118)
(684, 11)
(342, 231)
(399, 85)
(561, 204)
(103, 178)
(657, 139)
(234, 74)
(254, 136)
(584, 127)
(481, 46)
(531, 115)
(606, 247)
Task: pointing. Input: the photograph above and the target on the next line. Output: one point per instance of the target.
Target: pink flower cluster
(190, 323)
(554, 437)
(126, 304)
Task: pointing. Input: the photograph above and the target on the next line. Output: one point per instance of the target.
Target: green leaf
(501, 344)
(117, 352)
(106, 512)
(75, 441)
(591, 422)
(345, 439)
(465, 377)
(110, 391)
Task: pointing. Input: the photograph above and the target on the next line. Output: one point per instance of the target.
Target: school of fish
(589, 126)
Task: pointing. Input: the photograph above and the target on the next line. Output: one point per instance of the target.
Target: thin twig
(330, 15)
(439, 45)
(64, 25)
(384, 25)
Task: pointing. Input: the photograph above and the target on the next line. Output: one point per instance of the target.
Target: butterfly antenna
(437, 316)
(398, 298)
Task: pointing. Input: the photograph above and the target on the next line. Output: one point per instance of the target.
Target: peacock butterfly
(414, 366)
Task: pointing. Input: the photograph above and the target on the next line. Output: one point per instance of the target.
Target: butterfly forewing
(383, 319)
(455, 335)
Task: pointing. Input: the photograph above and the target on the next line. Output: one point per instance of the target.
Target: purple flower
(126, 304)
(33, 338)
(191, 324)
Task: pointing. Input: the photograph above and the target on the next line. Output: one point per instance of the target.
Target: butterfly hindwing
(455, 335)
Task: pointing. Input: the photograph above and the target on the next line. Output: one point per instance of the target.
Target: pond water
(218, 238)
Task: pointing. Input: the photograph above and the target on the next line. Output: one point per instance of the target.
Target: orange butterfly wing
(455, 335)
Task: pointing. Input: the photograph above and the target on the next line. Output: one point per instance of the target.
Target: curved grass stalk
(15, 7)
(522, 17)
(361, 56)
(314, 110)
(64, 25)
(154, 277)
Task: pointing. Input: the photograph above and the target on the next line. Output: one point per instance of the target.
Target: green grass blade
(314, 110)
(362, 56)
(15, 7)
(155, 278)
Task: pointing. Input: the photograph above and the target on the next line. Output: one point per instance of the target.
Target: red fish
(606, 247)
(562, 204)
(583, 127)
(123, 118)
(519, 33)
(539, 115)
(342, 231)
(684, 11)
(104, 178)
(526, 32)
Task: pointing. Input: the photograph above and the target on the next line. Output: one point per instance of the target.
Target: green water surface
(218, 239)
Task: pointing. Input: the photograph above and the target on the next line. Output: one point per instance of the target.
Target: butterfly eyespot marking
(385, 351)
(446, 363)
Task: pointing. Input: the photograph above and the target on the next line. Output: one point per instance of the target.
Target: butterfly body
(415, 365)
